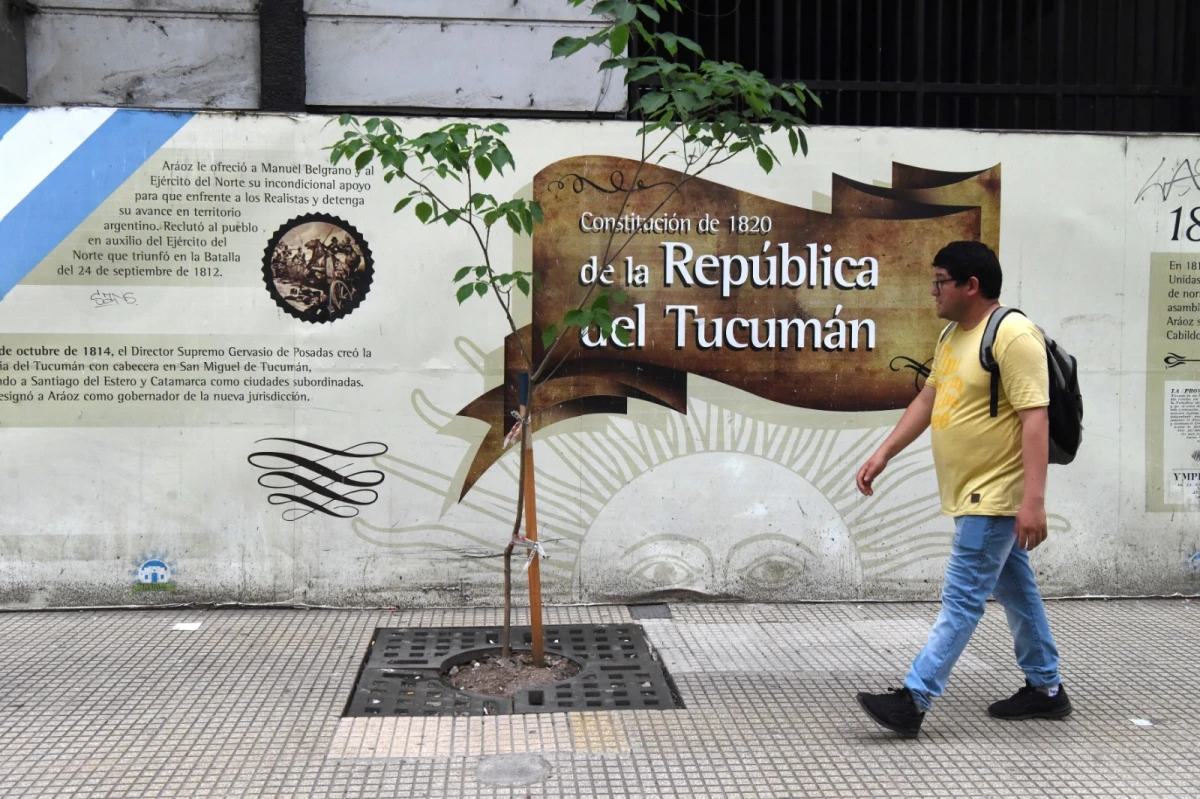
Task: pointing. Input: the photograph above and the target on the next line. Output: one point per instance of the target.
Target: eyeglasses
(937, 284)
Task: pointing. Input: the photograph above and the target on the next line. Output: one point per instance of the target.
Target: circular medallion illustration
(318, 267)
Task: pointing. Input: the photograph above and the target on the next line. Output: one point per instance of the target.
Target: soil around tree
(496, 676)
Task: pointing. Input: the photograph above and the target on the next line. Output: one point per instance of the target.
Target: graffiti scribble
(302, 481)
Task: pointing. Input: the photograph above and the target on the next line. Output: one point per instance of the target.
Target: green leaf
(464, 291)
(621, 335)
(535, 210)
(424, 210)
(793, 140)
(803, 142)
(523, 285)
(619, 297)
(514, 222)
(363, 159)
(481, 288)
(401, 205)
(483, 167)
(480, 271)
(461, 273)
(644, 71)
(577, 318)
(567, 46)
(549, 334)
(451, 216)
(649, 11)
(764, 159)
(652, 102)
(618, 39)
(689, 44)
(669, 41)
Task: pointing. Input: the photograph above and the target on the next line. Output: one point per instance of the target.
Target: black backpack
(1066, 403)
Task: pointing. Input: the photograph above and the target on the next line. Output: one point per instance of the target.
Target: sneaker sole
(1055, 715)
(901, 731)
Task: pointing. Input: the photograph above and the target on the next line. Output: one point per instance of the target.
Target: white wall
(491, 55)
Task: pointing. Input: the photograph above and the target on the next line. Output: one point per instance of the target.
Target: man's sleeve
(931, 381)
(1023, 371)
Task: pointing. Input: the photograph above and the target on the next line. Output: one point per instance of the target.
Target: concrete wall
(160, 54)
(718, 485)
(435, 54)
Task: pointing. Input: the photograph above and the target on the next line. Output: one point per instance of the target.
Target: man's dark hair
(964, 260)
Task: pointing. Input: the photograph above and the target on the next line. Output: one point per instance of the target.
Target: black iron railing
(1128, 65)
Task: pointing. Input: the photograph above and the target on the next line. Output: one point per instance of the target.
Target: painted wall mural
(218, 345)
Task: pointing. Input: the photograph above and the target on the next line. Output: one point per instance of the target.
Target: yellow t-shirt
(978, 458)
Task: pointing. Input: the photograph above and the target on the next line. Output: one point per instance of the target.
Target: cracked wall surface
(490, 55)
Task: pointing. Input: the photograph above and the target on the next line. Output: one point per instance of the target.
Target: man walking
(991, 474)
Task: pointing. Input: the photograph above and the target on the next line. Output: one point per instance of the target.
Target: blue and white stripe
(58, 165)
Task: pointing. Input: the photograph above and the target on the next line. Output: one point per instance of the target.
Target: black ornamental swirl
(920, 369)
(304, 481)
(616, 180)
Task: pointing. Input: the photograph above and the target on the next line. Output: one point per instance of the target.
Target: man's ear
(972, 285)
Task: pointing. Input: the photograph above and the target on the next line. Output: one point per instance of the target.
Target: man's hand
(870, 470)
(1031, 524)
(912, 424)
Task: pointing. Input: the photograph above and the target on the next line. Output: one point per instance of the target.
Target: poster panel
(230, 372)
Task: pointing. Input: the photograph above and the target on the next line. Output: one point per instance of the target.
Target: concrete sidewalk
(120, 704)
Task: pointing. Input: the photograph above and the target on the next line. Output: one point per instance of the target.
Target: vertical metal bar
(1078, 60)
(757, 31)
(978, 62)
(920, 56)
(778, 40)
(1038, 72)
(958, 68)
(1020, 63)
(798, 66)
(819, 37)
(858, 61)
(937, 101)
(1059, 77)
(737, 35)
(879, 59)
(899, 42)
(1178, 73)
(837, 69)
(999, 57)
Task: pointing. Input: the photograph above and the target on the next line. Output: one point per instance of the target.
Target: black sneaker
(1031, 703)
(895, 710)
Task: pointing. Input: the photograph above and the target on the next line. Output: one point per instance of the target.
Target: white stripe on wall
(36, 145)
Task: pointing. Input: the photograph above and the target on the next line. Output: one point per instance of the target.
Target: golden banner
(802, 307)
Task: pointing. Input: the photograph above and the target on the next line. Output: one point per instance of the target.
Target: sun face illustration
(739, 497)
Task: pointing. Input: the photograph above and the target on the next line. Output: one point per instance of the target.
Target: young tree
(695, 113)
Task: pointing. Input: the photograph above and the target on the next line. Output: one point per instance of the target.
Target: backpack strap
(987, 358)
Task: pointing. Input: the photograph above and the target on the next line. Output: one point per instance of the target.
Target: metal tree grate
(401, 674)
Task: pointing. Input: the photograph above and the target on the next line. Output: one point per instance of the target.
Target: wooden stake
(535, 577)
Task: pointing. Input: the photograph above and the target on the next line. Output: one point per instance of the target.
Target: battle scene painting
(318, 268)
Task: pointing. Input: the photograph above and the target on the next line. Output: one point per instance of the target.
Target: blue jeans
(985, 559)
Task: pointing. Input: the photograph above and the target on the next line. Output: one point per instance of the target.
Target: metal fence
(1098, 65)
